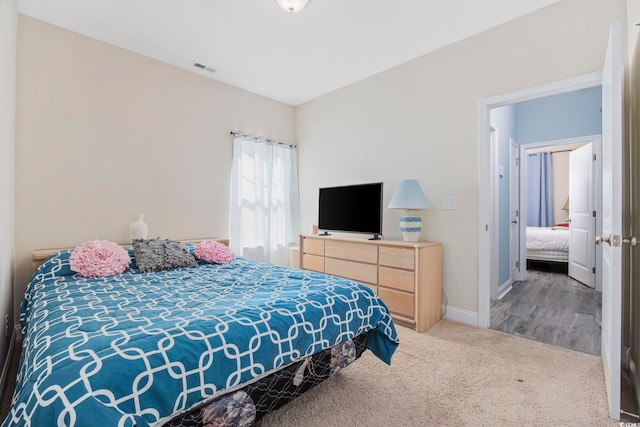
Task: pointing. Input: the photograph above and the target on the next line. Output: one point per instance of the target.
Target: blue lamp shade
(409, 196)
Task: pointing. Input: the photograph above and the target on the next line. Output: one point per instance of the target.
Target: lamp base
(411, 226)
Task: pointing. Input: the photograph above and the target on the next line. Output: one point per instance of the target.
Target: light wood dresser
(406, 275)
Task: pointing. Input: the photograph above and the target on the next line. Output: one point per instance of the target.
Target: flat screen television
(352, 209)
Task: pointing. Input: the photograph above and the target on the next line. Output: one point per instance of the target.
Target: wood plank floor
(551, 308)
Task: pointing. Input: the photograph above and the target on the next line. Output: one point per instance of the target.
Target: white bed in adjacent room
(548, 244)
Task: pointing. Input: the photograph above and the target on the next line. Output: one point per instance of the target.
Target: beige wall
(420, 120)
(8, 29)
(103, 133)
(560, 166)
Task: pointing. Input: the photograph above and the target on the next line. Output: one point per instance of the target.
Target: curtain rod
(262, 139)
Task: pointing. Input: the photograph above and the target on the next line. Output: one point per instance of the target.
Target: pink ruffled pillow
(213, 252)
(99, 258)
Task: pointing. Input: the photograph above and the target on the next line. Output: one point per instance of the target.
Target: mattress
(547, 238)
(548, 255)
(148, 348)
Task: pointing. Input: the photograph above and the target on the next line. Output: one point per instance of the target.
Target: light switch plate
(448, 203)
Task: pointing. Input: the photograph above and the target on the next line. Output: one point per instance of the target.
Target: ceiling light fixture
(292, 6)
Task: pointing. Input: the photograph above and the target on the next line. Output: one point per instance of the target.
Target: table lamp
(409, 196)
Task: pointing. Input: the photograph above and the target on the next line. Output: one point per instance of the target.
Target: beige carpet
(458, 375)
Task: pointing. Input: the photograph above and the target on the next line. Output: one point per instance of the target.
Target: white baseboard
(504, 288)
(460, 315)
(635, 375)
(7, 363)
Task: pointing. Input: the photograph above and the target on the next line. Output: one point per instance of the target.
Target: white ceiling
(293, 58)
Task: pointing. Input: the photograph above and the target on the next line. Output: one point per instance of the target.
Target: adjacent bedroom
(548, 215)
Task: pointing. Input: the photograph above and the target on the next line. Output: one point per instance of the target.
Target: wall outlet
(448, 203)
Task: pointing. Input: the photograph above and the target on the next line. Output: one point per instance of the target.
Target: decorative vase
(138, 229)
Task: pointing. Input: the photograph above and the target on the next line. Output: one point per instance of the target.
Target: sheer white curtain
(265, 204)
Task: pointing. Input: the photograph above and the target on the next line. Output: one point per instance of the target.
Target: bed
(209, 345)
(548, 244)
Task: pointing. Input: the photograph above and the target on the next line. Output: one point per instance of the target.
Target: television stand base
(376, 237)
(324, 234)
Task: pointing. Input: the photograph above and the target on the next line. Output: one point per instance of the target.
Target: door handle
(617, 240)
(515, 221)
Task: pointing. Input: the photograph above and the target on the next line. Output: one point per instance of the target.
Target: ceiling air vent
(203, 67)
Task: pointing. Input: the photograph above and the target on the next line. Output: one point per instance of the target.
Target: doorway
(575, 171)
(550, 303)
(488, 169)
(613, 202)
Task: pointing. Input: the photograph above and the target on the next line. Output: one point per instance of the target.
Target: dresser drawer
(313, 262)
(314, 246)
(397, 257)
(352, 251)
(403, 280)
(374, 288)
(352, 270)
(398, 302)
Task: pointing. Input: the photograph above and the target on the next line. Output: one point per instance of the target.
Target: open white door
(612, 218)
(582, 222)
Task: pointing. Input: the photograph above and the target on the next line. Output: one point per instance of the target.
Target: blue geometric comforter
(137, 348)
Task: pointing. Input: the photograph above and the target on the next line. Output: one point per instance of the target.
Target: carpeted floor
(455, 374)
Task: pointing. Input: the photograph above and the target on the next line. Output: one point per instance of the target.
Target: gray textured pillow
(157, 255)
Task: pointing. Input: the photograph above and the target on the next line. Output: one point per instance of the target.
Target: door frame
(515, 203)
(494, 137)
(487, 155)
(596, 148)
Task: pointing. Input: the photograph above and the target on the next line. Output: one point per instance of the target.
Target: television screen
(351, 208)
